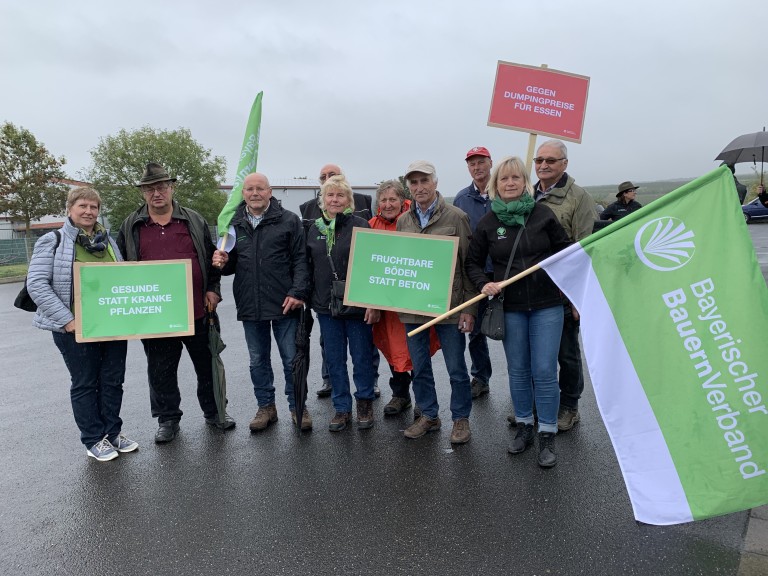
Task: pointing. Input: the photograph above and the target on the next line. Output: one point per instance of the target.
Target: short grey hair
(556, 144)
(390, 185)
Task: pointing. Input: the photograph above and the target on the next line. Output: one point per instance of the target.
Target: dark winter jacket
(269, 263)
(317, 258)
(475, 206)
(542, 237)
(128, 242)
(619, 209)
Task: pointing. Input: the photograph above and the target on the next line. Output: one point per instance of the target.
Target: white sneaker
(102, 451)
(123, 444)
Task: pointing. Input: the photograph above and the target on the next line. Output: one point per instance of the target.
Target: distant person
(430, 214)
(310, 211)
(475, 202)
(162, 229)
(269, 262)
(625, 203)
(576, 211)
(741, 190)
(96, 369)
(533, 306)
(329, 241)
(762, 195)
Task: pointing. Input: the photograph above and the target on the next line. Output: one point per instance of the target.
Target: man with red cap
(474, 201)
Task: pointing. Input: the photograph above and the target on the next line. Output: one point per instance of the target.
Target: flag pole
(477, 298)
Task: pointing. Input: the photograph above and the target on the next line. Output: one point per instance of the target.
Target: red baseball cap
(478, 151)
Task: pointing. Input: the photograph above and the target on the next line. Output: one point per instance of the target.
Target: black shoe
(325, 390)
(547, 456)
(166, 432)
(214, 421)
(523, 438)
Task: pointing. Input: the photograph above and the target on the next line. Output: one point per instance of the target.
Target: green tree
(119, 161)
(30, 186)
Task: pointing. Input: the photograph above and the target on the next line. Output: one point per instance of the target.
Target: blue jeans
(97, 370)
(531, 342)
(339, 333)
(375, 360)
(481, 368)
(569, 358)
(259, 342)
(452, 343)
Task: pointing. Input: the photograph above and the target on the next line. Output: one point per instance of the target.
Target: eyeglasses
(160, 187)
(547, 161)
(324, 177)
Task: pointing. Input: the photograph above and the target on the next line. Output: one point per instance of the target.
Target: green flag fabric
(249, 155)
(674, 310)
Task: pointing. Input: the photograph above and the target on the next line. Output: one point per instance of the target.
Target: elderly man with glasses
(161, 229)
(576, 211)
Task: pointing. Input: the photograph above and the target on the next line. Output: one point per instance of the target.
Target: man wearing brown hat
(163, 230)
(625, 203)
(430, 214)
(475, 202)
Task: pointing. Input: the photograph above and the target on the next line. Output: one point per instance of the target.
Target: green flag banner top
(401, 271)
(249, 156)
(129, 300)
(673, 314)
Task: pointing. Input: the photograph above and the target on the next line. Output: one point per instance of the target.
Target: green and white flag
(674, 311)
(249, 155)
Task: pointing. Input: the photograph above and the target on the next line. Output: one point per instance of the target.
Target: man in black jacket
(161, 229)
(271, 283)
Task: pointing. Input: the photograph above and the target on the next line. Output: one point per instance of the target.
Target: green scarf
(329, 229)
(513, 213)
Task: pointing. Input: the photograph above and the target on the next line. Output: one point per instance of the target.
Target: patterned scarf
(513, 213)
(329, 229)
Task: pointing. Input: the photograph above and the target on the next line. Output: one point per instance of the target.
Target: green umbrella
(216, 346)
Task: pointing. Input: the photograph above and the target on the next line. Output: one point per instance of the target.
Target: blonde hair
(338, 182)
(509, 164)
(80, 193)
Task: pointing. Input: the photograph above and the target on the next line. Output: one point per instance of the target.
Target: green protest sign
(400, 271)
(129, 300)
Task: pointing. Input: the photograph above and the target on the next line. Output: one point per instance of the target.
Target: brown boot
(339, 421)
(460, 433)
(265, 416)
(364, 414)
(423, 425)
(306, 420)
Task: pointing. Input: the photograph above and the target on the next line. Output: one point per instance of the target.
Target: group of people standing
(283, 263)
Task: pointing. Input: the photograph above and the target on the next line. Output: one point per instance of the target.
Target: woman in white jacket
(97, 369)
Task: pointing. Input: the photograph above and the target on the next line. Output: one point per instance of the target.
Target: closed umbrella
(216, 346)
(746, 148)
(300, 365)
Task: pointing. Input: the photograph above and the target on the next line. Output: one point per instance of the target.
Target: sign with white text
(401, 271)
(129, 300)
(539, 101)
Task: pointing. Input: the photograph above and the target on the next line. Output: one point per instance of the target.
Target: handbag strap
(512, 254)
(333, 268)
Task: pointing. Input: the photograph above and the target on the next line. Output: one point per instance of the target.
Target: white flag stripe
(652, 481)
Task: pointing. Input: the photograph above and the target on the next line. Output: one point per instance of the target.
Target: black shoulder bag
(338, 308)
(492, 324)
(23, 300)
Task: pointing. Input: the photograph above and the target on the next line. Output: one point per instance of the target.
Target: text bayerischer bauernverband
(713, 382)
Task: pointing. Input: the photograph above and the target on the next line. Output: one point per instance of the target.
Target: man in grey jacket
(576, 211)
(163, 230)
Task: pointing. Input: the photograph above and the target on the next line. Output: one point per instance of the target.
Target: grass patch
(13, 270)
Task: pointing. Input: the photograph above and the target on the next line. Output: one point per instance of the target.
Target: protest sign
(129, 300)
(401, 271)
(539, 101)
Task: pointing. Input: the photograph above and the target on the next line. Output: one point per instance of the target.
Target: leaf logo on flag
(663, 244)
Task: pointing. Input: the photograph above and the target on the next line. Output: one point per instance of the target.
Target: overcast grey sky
(375, 85)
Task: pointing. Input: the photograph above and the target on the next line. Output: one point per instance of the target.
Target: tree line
(31, 177)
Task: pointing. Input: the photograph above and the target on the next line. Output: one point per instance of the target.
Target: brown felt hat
(626, 187)
(154, 173)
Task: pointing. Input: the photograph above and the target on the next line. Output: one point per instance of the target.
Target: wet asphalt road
(321, 503)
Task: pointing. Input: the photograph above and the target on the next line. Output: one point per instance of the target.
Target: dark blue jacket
(475, 206)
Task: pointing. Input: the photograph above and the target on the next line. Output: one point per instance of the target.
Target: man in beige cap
(430, 214)
(625, 203)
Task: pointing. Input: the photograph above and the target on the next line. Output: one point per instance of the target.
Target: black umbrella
(746, 148)
(216, 346)
(300, 365)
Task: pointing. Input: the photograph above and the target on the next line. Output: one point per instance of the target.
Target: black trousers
(571, 375)
(163, 356)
